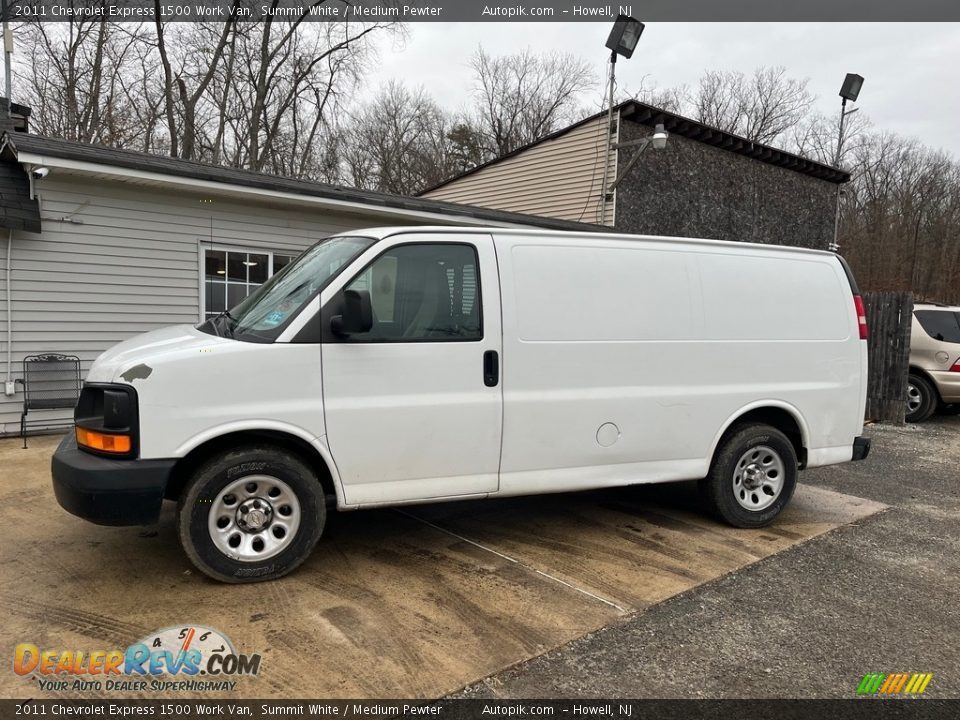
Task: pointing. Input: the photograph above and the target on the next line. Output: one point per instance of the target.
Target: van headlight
(106, 419)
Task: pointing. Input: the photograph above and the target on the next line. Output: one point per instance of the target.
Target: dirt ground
(414, 602)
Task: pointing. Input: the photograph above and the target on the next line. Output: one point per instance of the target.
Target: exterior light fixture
(659, 139)
(851, 87)
(624, 36)
(34, 175)
(850, 90)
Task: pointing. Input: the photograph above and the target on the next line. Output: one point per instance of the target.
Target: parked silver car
(934, 360)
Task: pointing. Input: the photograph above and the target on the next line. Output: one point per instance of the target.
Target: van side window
(423, 292)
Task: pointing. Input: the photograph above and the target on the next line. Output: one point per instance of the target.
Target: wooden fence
(889, 317)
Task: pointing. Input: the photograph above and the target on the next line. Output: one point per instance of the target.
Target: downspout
(9, 381)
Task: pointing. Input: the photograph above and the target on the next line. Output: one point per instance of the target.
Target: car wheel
(752, 476)
(251, 514)
(921, 399)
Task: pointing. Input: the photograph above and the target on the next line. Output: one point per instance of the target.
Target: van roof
(383, 232)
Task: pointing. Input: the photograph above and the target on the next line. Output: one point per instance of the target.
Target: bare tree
(762, 107)
(901, 217)
(400, 142)
(185, 86)
(673, 100)
(79, 81)
(292, 77)
(522, 97)
(261, 95)
(816, 136)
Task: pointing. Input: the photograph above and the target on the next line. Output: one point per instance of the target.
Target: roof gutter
(176, 181)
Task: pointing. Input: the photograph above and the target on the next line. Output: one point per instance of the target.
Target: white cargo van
(411, 365)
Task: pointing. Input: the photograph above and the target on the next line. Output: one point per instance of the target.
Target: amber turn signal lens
(102, 442)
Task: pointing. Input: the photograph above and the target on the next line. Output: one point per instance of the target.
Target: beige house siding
(559, 178)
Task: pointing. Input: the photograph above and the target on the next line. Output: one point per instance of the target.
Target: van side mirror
(357, 314)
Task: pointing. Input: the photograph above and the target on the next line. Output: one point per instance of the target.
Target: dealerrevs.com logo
(185, 658)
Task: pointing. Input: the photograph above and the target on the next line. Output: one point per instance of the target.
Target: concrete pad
(638, 546)
(414, 602)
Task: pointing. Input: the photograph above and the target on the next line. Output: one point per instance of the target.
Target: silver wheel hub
(254, 515)
(753, 476)
(914, 399)
(758, 478)
(254, 518)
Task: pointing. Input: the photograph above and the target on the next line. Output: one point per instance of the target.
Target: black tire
(718, 488)
(204, 490)
(922, 392)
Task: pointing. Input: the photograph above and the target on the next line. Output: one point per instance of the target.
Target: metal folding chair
(50, 382)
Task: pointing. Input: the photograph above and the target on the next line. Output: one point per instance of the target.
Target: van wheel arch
(776, 417)
(188, 464)
(752, 476)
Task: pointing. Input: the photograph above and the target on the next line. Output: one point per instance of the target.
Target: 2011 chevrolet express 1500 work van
(413, 365)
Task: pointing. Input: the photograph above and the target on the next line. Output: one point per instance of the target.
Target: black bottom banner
(468, 709)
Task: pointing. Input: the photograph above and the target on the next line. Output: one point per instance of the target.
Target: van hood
(134, 359)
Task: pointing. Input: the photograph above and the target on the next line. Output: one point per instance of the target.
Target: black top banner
(481, 10)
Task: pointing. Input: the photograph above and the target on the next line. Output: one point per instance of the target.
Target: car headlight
(106, 419)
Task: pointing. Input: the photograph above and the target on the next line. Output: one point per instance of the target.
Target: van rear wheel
(251, 514)
(752, 476)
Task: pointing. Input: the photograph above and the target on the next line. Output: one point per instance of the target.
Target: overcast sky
(910, 68)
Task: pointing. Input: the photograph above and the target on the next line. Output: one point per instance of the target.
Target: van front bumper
(108, 491)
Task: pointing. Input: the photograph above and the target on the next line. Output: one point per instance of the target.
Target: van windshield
(264, 314)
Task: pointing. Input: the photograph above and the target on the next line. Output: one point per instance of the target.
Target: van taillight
(956, 366)
(861, 316)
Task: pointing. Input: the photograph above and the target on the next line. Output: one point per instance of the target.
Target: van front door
(413, 406)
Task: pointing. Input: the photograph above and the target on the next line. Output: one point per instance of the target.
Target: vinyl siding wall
(116, 259)
(559, 178)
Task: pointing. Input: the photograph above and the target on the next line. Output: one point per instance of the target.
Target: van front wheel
(251, 514)
(752, 476)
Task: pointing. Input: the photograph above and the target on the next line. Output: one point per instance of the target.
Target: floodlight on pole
(850, 90)
(622, 40)
(624, 36)
(851, 87)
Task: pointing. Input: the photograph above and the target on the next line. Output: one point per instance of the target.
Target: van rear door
(413, 406)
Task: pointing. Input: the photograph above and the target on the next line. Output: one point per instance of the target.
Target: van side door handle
(491, 368)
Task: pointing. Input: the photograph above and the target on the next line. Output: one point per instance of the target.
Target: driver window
(423, 292)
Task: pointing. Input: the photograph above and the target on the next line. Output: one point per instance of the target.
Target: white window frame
(202, 264)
